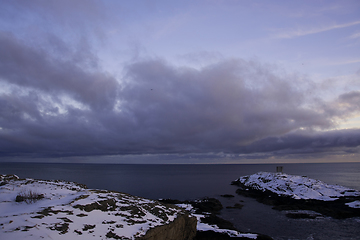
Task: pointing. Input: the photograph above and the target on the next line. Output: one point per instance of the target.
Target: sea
(196, 181)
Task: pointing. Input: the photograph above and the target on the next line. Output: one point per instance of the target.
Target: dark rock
(208, 205)
(172, 201)
(227, 196)
(205, 205)
(110, 234)
(26, 228)
(108, 222)
(263, 237)
(213, 219)
(87, 227)
(61, 227)
(49, 211)
(8, 177)
(105, 205)
(81, 215)
(237, 183)
(19, 198)
(65, 219)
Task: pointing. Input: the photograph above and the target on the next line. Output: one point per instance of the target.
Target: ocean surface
(188, 182)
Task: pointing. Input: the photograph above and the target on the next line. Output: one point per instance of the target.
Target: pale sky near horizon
(180, 81)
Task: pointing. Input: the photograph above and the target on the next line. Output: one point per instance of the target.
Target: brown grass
(28, 196)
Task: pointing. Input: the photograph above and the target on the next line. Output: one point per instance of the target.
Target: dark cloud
(53, 105)
(309, 142)
(222, 106)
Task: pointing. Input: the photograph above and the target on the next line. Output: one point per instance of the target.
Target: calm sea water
(176, 181)
(197, 181)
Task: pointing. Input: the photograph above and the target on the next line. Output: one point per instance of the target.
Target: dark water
(197, 181)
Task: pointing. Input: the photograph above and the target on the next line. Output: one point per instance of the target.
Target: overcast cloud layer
(57, 99)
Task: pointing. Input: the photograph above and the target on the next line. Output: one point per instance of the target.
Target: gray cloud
(24, 66)
(53, 105)
(350, 101)
(224, 105)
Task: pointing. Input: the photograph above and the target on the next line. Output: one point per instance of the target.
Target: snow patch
(355, 204)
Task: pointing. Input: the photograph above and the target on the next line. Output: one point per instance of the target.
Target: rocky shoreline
(266, 189)
(32, 209)
(208, 209)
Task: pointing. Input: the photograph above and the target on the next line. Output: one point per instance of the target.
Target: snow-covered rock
(68, 210)
(296, 187)
(354, 204)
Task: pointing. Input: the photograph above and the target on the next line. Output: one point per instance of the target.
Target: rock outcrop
(183, 227)
(295, 193)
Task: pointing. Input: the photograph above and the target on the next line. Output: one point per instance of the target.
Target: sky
(204, 81)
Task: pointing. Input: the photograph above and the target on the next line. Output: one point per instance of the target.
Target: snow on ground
(70, 211)
(355, 204)
(297, 187)
(207, 227)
